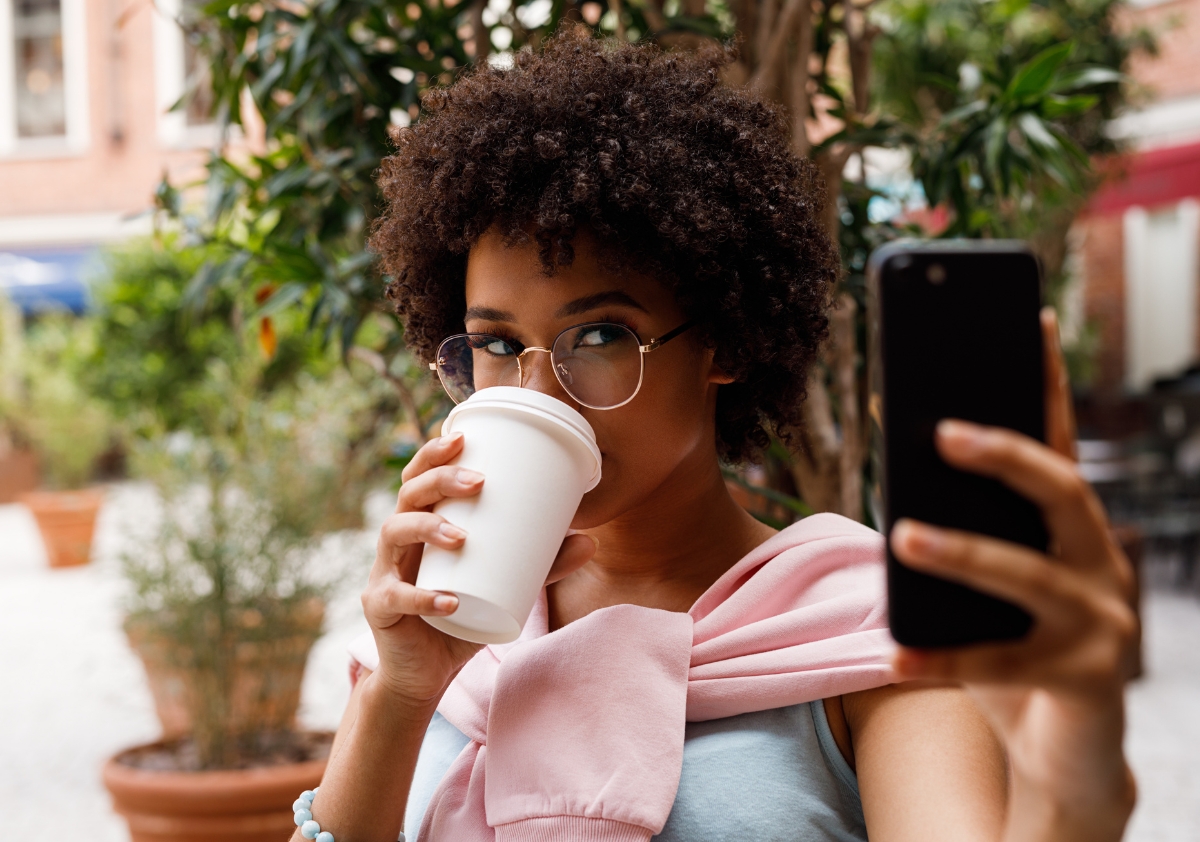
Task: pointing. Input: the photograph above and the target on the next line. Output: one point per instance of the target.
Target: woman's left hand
(1056, 696)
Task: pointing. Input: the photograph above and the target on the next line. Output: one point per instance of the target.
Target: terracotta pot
(266, 679)
(239, 805)
(67, 520)
(18, 474)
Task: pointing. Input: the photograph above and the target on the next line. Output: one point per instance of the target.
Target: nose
(538, 372)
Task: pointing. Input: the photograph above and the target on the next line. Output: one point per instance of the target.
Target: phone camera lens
(936, 273)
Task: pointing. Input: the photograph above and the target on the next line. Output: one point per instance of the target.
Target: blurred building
(86, 133)
(1138, 246)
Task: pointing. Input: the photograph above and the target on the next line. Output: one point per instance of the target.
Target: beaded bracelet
(309, 829)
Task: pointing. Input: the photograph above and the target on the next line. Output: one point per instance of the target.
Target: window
(42, 77)
(37, 33)
(180, 70)
(197, 78)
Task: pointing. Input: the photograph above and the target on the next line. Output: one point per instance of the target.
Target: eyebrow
(490, 314)
(573, 308)
(600, 299)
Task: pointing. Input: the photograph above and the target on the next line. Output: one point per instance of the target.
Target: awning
(1148, 179)
(42, 280)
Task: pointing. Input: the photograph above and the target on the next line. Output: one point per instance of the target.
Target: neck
(666, 551)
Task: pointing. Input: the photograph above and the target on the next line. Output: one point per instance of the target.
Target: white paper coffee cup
(538, 457)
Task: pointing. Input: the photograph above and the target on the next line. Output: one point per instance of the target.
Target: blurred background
(205, 403)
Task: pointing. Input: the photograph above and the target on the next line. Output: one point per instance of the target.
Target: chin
(600, 505)
(592, 512)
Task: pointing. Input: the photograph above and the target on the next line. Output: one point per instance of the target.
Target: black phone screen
(956, 334)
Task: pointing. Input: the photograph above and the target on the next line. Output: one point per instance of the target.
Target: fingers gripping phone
(955, 333)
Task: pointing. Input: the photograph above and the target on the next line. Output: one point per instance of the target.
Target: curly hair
(681, 176)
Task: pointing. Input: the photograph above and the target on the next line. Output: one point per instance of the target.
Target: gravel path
(76, 694)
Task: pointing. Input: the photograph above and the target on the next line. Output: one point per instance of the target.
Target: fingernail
(918, 539)
(963, 437)
(445, 602)
(468, 477)
(451, 438)
(454, 533)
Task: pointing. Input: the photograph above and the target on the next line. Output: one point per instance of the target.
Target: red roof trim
(1147, 179)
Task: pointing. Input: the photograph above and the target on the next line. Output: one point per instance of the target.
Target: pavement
(74, 693)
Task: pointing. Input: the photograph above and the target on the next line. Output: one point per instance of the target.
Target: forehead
(512, 278)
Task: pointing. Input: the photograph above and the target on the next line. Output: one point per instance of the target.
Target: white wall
(1162, 271)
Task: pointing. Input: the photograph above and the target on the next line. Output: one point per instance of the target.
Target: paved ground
(74, 693)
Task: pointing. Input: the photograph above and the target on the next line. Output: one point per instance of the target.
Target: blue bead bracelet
(309, 829)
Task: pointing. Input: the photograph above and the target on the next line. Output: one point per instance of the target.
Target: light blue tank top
(771, 776)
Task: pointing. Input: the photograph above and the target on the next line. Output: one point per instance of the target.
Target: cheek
(643, 443)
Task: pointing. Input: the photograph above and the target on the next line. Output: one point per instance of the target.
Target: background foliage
(156, 356)
(997, 106)
(44, 404)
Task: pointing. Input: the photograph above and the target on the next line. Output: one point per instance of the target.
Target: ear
(717, 375)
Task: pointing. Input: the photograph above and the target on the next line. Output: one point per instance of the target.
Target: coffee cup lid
(536, 403)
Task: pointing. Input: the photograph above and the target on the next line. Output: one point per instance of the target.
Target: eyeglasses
(599, 364)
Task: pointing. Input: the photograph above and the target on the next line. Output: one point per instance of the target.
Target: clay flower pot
(237, 805)
(266, 677)
(67, 520)
(19, 473)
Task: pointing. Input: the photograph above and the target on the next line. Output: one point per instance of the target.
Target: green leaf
(1037, 75)
(1072, 106)
(794, 504)
(938, 80)
(261, 89)
(195, 294)
(1085, 77)
(962, 113)
(398, 460)
(283, 297)
(266, 223)
(299, 52)
(355, 263)
(997, 136)
(1034, 129)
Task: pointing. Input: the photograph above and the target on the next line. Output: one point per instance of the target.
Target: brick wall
(1103, 256)
(1176, 70)
(111, 175)
(1173, 73)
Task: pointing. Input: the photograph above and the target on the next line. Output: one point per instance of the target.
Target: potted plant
(18, 462)
(48, 409)
(227, 599)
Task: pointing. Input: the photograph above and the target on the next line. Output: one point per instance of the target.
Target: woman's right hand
(416, 661)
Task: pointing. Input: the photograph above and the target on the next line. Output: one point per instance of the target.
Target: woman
(621, 187)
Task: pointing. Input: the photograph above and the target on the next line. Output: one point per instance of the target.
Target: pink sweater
(578, 735)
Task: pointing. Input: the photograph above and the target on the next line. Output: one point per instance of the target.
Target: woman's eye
(492, 345)
(595, 336)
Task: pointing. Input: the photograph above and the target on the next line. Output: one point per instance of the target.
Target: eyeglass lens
(468, 363)
(599, 365)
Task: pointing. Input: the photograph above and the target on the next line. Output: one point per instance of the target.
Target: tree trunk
(776, 48)
(479, 32)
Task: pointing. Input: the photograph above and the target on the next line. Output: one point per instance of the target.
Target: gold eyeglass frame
(652, 345)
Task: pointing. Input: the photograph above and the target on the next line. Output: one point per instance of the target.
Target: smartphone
(954, 333)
